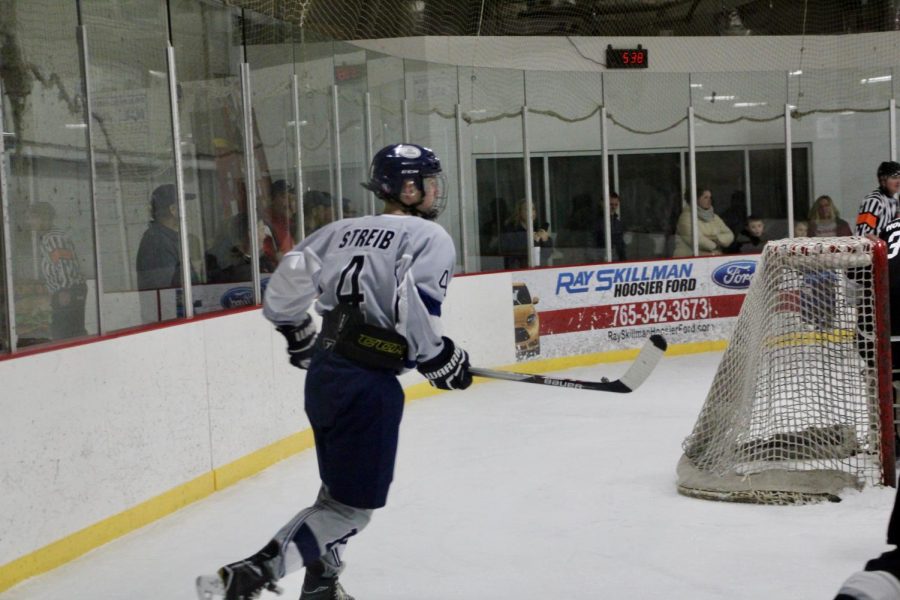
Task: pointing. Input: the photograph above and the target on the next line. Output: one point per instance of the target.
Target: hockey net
(801, 405)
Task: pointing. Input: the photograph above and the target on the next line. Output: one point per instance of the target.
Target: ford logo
(237, 297)
(735, 275)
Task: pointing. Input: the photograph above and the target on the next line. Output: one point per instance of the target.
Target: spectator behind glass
(714, 236)
(317, 210)
(229, 260)
(801, 229)
(60, 272)
(751, 238)
(278, 216)
(824, 220)
(735, 216)
(159, 255)
(514, 243)
(616, 229)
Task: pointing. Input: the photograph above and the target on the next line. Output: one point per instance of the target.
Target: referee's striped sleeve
(871, 213)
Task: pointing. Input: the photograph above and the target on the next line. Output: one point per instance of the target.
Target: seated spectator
(617, 231)
(278, 217)
(159, 254)
(824, 220)
(229, 260)
(714, 236)
(514, 241)
(317, 210)
(801, 229)
(750, 240)
(735, 216)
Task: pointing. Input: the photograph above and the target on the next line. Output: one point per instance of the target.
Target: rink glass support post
(92, 164)
(338, 184)
(604, 155)
(298, 155)
(692, 170)
(10, 315)
(529, 212)
(186, 283)
(404, 111)
(367, 147)
(893, 128)
(789, 169)
(461, 186)
(250, 176)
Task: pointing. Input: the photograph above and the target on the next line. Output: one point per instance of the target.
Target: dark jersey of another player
(891, 235)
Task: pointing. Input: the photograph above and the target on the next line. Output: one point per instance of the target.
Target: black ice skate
(316, 586)
(242, 580)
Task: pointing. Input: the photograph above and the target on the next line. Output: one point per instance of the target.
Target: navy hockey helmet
(396, 164)
(889, 169)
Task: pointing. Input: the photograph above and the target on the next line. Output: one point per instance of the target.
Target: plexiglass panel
(350, 78)
(208, 56)
(844, 115)
(648, 134)
(569, 124)
(48, 176)
(132, 137)
(492, 101)
(739, 120)
(269, 50)
(315, 70)
(432, 96)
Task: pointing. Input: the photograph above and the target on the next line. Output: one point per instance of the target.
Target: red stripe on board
(630, 314)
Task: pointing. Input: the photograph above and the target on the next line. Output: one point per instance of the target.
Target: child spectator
(750, 240)
(801, 229)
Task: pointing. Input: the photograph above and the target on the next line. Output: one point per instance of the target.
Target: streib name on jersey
(373, 237)
(630, 281)
(734, 275)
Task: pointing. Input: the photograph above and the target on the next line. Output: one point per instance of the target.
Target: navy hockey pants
(355, 415)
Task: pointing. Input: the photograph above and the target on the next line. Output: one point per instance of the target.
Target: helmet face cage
(394, 165)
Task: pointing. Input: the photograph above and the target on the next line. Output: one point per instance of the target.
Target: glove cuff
(298, 335)
(436, 362)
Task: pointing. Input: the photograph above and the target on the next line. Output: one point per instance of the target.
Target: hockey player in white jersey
(378, 282)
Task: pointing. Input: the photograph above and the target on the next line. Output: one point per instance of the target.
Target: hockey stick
(636, 374)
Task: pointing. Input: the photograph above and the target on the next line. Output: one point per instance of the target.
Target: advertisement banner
(595, 308)
(208, 298)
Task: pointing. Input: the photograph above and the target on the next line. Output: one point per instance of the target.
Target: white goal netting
(795, 410)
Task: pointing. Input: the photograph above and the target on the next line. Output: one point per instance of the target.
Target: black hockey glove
(449, 370)
(301, 339)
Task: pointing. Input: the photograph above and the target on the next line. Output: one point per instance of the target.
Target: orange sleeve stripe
(867, 219)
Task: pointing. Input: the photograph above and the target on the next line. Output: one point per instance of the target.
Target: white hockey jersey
(396, 268)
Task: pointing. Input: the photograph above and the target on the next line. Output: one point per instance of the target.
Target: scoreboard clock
(626, 58)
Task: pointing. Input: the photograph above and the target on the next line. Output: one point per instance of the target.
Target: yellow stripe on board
(72, 546)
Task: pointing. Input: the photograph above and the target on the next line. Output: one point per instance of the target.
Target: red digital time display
(626, 58)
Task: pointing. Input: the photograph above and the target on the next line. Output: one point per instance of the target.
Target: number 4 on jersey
(352, 296)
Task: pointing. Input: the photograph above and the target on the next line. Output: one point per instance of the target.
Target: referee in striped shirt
(880, 207)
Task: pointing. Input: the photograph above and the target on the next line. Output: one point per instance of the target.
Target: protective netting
(793, 412)
(362, 19)
(805, 62)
